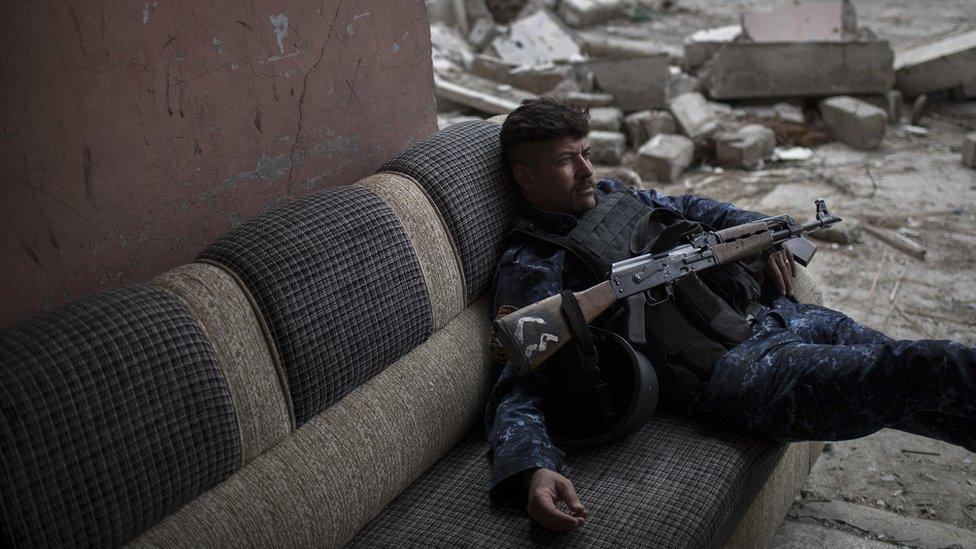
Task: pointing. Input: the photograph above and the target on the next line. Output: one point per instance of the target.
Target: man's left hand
(781, 268)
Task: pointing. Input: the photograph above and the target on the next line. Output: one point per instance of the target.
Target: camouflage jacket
(529, 271)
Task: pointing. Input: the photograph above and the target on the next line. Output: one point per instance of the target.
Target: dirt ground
(891, 487)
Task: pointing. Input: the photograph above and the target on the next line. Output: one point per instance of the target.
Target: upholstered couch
(317, 377)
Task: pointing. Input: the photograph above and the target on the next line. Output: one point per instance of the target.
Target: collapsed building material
(606, 147)
(536, 39)
(449, 119)
(813, 21)
(478, 93)
(606, 119)
(482, 33)
(694, 115)
(622, 174)
(940, 63)
(744, 148)
(894, 106)
(679, 82)
(643, 125)
(664, 157)
(537, 79)
(583, 13)
(699, 47)
(857, 123)
(969, 150)
(636, 83)
(448, 49)
(742, 70)
(602, 45)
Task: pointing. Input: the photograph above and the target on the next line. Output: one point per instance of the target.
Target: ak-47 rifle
(533, 333)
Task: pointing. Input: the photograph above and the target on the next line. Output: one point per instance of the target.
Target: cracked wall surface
(133, 133)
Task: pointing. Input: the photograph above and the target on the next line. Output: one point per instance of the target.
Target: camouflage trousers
(810, 373)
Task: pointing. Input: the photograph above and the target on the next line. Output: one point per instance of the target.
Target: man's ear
(525, 178)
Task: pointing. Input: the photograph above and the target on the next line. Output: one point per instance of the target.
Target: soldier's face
(559, 176)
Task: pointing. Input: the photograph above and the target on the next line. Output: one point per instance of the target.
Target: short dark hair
(542, 119)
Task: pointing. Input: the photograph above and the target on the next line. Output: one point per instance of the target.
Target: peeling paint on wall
(280, 24)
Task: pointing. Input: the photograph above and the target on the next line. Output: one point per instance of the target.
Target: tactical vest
(683, 334)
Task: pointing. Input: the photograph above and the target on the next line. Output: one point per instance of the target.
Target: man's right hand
(546, 488)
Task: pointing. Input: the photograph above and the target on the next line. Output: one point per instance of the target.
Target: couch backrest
(113, 414)
(121, 408)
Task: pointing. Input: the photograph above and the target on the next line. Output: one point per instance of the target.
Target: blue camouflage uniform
(806, 373)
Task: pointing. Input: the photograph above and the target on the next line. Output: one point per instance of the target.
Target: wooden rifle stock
(534, 333)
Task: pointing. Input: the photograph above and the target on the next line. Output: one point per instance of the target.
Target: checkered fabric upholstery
(462, 169)
(339, 286)
(674, 483)
(113, 414)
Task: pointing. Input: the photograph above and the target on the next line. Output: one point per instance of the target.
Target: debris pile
(765, 90)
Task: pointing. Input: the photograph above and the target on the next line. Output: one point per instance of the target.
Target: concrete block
(940, 63)
(482, 33)
(894, 106)
(536, 39)
(969, 150)
(538, 79)
(742, 70)
(811, 21)
(643, 125)
(597, 44)
(744, 148)
(636, 83)
(606, 119)
(622, 174)
(607, 147)
(694, 115)
(680, 82)
(664, 157)
(855, 122)
(583, 13)
(700, 46)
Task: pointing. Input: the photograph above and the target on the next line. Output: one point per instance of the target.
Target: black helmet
(583, 413)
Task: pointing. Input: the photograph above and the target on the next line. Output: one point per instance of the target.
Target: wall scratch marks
(88, 174)
(352, 87)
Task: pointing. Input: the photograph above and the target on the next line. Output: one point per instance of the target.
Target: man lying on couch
(799, 372)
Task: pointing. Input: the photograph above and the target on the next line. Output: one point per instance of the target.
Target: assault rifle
(533, 333)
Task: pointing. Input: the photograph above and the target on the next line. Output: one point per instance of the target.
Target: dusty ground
(891, 487)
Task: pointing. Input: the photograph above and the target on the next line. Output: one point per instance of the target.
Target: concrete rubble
(536, 39)
(606, 119)
(830, 56)
(643, 125)
(857, 123)
(744, 148)
(737, 96)
(664, 157)
(938, 63)
(583, 13)
(606, 147)
(969, 150)
(702, 45)
(636, 83)
(695, 115)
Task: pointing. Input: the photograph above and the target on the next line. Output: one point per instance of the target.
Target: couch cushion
(462, 169)
(318, 487)
(674, 483)
(113, 413)
(339, 285)
(225, 313)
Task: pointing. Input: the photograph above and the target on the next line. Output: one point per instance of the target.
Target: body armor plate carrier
(684, 332)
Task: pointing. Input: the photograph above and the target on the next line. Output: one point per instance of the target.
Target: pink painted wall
(133, 133)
